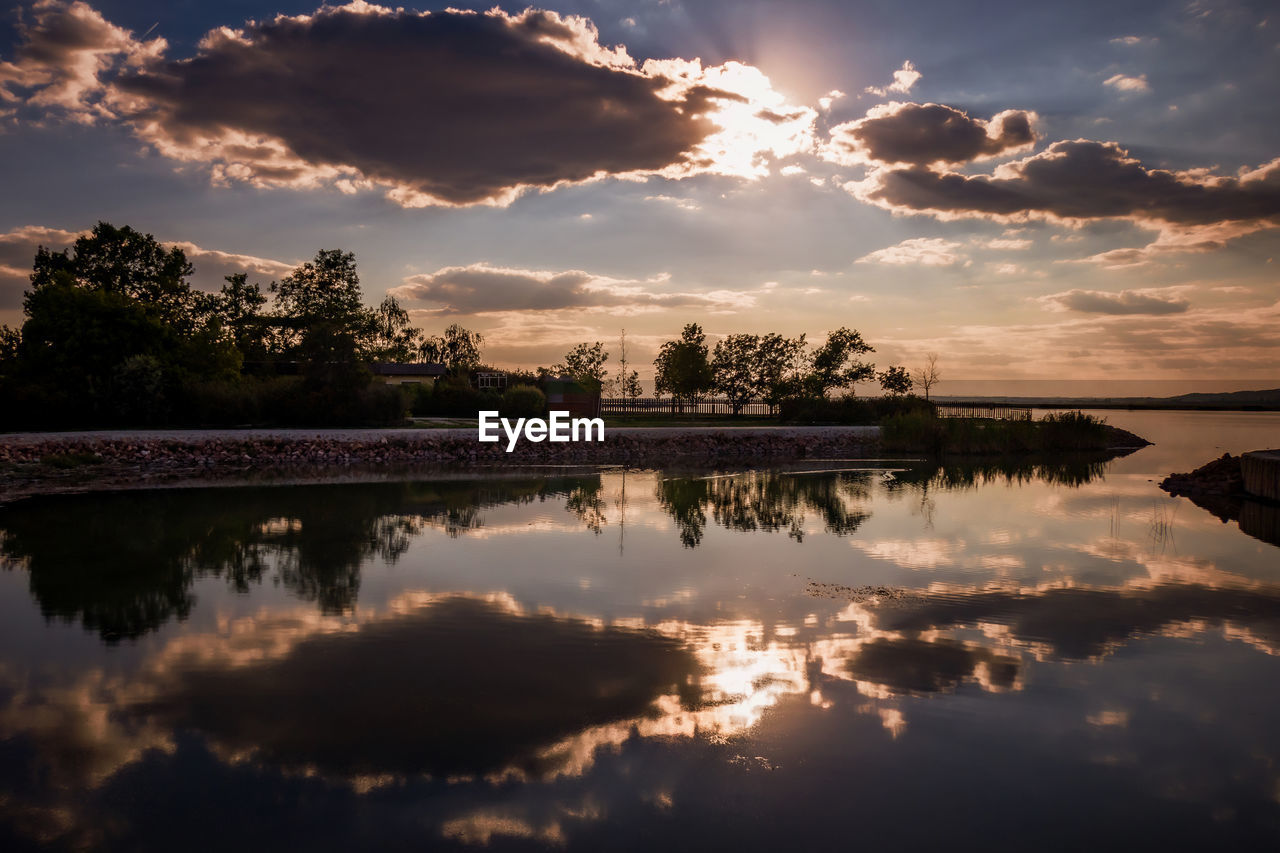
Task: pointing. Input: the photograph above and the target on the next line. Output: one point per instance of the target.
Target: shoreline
(70, 462)
(47, 463)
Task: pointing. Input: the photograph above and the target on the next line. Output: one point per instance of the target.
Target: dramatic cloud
(212, 266)
(1196, 239)
(1078, 181)
(926, 251)
(1124, 302)
(926, 134)
(18, 249)
(903, 79)
(483, 289)
(66, 50)
(447, 107)
(1128, 84)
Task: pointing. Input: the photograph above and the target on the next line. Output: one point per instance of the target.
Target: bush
(288, 401)
(921, 431)
(850, 410)
(137, 391)
(453, 397)
(523, 401)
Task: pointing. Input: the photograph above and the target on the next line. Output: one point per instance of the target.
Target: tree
(457, 348)
(627, 383)
(779, 362)
(928, 375)
(393, 338)
(835, 364)
(735, 368)
(10, 341)
(681, 368)
(126, 262)
(321, 307)
(585, 363)
(239, 305)
(895, 381)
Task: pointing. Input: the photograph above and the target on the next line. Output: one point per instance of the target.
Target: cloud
(903, 79)
(1196, 239)
(830, 98)
(1011, 244)
(18, 249)
(65, 50)
(483, 289)
(440, 108)
(1128, 84)
(1147, 301)
(1081, 180)
(212, 265)
(926, 134)
(926, 251)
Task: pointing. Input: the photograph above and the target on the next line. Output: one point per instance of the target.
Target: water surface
(1046, 654)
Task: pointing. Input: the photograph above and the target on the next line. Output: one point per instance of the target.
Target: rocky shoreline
(1220, 478)
(61, 462)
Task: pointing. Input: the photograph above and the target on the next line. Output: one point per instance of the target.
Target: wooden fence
(668, 406)
(983, 410)
(721, 406)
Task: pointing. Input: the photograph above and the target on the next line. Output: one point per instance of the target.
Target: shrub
(453, 397)
(922, 431)
(523, 401)
(137, 391)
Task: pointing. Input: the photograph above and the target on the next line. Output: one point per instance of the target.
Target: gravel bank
(32, 463)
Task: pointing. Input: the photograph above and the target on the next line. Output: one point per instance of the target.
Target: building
(491, 381)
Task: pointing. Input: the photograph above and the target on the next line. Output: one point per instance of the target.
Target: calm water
(1052, 655)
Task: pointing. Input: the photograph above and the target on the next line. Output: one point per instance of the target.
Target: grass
(923, 432)
(67, 461)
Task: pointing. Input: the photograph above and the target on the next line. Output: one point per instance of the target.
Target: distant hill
(1229, 400)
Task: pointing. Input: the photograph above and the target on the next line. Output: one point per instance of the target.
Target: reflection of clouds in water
(262, 688)
(914, 553)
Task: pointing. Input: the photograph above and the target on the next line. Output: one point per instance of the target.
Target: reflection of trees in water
(585, 502)
(123, 564)
(1061, 469)
(765, 500)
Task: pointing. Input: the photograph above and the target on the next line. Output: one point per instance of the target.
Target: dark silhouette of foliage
(682, 369)
(895, 381)
(585, 363)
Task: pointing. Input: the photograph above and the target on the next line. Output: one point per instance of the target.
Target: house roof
(424, 368)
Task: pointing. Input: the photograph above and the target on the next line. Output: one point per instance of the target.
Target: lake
(882, 654)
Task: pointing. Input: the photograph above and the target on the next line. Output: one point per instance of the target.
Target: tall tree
(239, 305)
(320, 304)
(779, 362)
(835, 364)
(585, 363)
(735, 368)
(457, 348)
(394, 339)
(681, 368)
(129, 263)
(895, 381)
(928, 375)
(627, 382)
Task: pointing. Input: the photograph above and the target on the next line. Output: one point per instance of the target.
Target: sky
(1085, 191)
